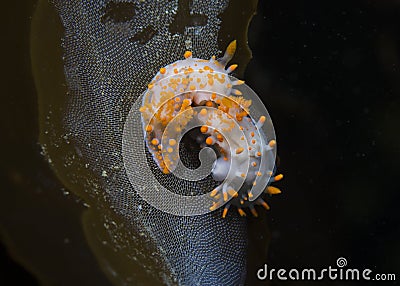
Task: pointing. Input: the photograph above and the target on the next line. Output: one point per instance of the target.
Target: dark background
(329, 74)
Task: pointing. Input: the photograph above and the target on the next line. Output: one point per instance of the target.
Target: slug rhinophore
(200, 95)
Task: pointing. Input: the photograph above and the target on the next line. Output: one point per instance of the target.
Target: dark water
(329, 75)
(333, 72)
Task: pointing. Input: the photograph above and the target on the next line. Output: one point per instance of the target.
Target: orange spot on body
(239, 150)
(187, 54)
(273, 191)
(213, 192)
(209, 141)
(265, 205)
(203, 112)
(224, 212)
(241, 212)
(232, 68)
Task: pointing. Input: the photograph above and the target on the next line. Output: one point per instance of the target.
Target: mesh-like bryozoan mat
(111, 51)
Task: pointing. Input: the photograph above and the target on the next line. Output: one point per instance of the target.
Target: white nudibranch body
(200, 93)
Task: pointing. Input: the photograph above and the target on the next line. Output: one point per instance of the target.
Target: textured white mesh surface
(108, 62)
